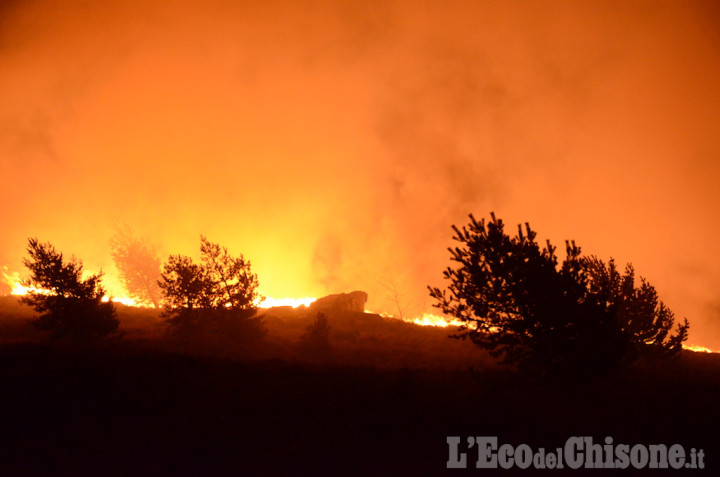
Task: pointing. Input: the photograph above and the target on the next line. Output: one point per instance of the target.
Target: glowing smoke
(334, 144)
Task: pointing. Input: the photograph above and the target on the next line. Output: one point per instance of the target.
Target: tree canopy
(517, 301)
(217, 295)
(69, 306)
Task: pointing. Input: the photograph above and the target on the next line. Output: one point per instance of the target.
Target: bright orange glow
(115, 292)
(125, 301)
(428, 319)
(425, 319)
(268, 302)
(699, 349)
(14, 281)
(334, 145)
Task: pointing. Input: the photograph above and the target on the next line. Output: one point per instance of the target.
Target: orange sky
(334, 144)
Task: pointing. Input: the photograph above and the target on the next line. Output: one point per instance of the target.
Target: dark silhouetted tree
(643, 317)
(138, 264)
(70, 307)
(186, 290)
(233, 285)
(217, 296)
(518, 302)
(315, 339)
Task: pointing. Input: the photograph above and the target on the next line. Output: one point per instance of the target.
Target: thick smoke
(334, 144)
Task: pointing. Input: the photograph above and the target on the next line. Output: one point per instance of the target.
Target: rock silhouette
(341, 302)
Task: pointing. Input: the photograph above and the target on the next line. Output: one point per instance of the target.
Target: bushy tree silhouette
(71, 307)
(315, 339)
(232, 283)
(138, 264)
(218, 296)
(645, 320)
(579, 317)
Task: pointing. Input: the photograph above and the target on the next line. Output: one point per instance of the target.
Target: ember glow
(334, 144)
(268, 302)
(12, 282)
(428, 319)
(125, 301)
(698, 349)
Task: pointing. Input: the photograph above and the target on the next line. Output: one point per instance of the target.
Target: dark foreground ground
(136, 407)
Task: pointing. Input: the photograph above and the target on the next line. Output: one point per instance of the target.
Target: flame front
(698, 349)
(269, 302)
(428, 319)
(14, 282)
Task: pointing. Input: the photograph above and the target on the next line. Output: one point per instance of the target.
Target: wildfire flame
(14, 281)
(698, 349)
(125, 301)
(428, 319)
(268, 302)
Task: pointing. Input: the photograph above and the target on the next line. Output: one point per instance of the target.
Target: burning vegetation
(333, 144)
(215, 363)
(509, 296)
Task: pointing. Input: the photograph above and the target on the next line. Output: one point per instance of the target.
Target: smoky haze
(334, 144)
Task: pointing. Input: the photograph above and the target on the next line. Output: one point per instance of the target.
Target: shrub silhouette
(214, 298)
(315, 339)
(645, 320)
(577, 318)
(70, 307)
